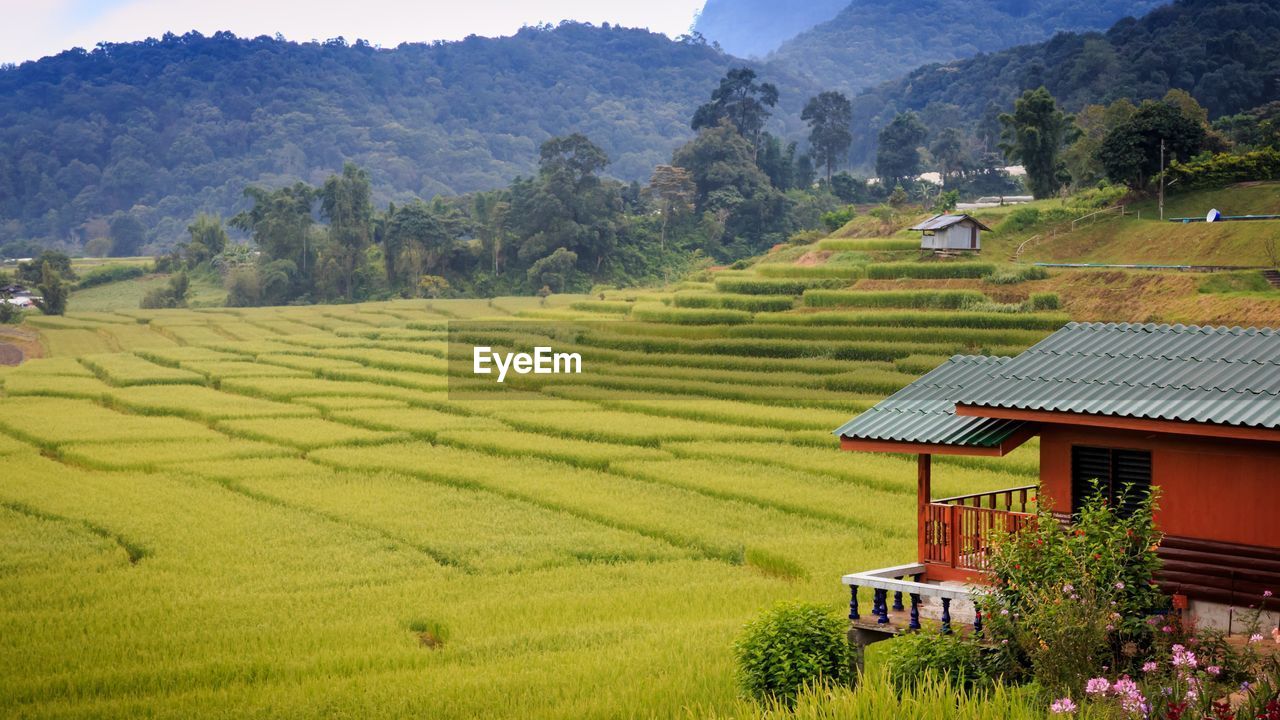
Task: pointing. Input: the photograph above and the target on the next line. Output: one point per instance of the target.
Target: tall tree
(208, 238)
(777, 161)
(674, 189)
(554, 270)
(127, 235)
(346, 201)
(731, 187)
(1095, 123)
(829, 115)
(898, 156)
(1131, 152)
(491, 211)
(948, 151)
(1034, 135)
(280, 223)
(53, 291)
(567, 205)
(740, 100)
(418, 241)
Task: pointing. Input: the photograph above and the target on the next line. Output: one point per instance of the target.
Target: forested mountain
(753, 28)
(183, 124)
(871, 41)
(1220, 52)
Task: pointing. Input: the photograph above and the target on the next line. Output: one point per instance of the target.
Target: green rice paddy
(283, 512)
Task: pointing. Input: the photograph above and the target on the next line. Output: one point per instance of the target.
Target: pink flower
(1098, 686)
(1166, 629)
(1255, 638)
(1213, 670)
(1062, 706)
(1266, 593)
(1131, 698)
(1150, 666)
(1119, 585)
(1178, 648)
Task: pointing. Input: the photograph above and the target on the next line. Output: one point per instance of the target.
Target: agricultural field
(297, 511)
(281, 511)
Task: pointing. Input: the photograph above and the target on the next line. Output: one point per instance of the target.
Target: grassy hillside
(1139, 236)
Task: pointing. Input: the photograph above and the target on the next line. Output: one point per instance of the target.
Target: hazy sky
(32, 29)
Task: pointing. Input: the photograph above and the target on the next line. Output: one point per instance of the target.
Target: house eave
(1113, 422)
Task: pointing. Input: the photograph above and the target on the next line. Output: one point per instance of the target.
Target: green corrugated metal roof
(1225, 376)
(924, 411)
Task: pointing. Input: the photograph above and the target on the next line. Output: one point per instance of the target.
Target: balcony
(954, 531)
(954, 544)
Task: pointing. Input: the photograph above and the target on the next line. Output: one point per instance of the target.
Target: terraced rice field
(284, 512)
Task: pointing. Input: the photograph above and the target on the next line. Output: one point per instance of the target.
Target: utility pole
(1161, 179)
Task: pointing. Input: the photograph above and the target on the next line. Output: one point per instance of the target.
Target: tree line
(733, 190)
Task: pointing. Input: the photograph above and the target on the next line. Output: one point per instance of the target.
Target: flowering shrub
(1191, 681)
(1077, 605)
(1065, 601)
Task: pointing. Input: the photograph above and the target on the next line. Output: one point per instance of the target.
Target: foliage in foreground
(789, 647)
(931, 698)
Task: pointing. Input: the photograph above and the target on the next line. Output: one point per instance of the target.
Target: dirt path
(18, 344)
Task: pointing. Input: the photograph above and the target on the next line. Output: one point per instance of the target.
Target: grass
(127, 294)
(1145, 239)
(284, 512)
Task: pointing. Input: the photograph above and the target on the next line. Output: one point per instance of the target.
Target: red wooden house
(1193, 410)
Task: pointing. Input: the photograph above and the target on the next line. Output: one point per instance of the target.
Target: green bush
(943, 299)
(111, 273)
(1017, 275)
(751, 303)
(1224, 169)
(912, 658)
(1043, 301)
(792, 646)
(892, 271)
(837, 219)
(174, 295)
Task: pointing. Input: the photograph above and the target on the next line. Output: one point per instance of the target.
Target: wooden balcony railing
(956, 529)
(1011, 499)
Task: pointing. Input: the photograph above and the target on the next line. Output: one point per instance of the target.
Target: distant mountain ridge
(754, 28)
(1220, 52)
(182, 124)
(872, 41)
